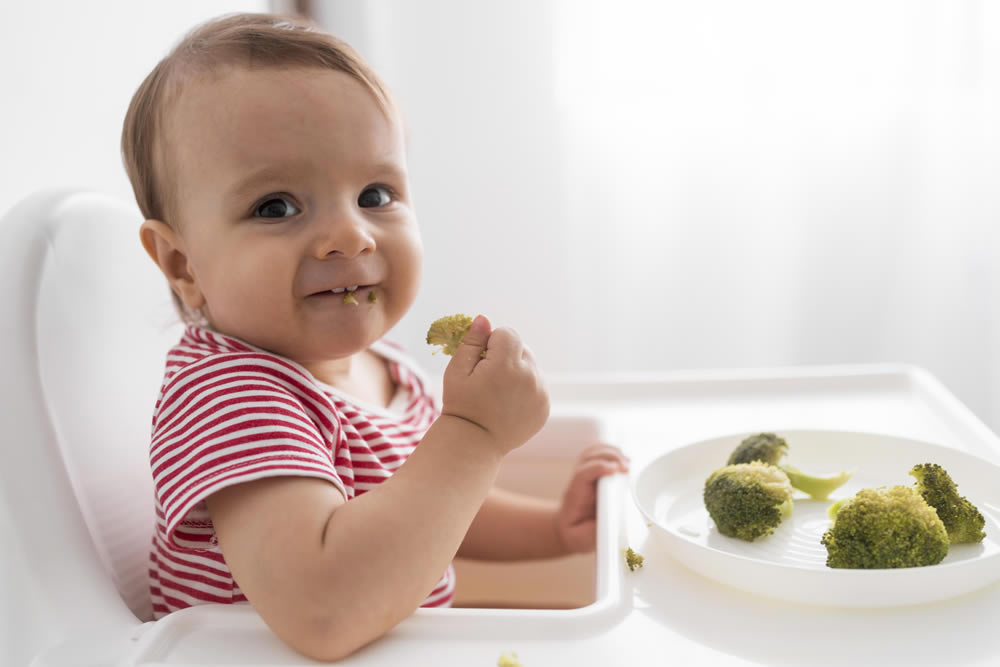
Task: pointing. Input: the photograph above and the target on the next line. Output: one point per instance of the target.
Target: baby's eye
(277, 207)
(374, 196)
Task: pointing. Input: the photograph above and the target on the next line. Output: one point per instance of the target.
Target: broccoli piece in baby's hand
(748, 500)
(963, 520)
(448, 332)
(884, 528)
(769, 448)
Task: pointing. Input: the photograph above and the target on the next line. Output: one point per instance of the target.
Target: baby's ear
(166, 247)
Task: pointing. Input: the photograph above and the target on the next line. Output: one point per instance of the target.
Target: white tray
(666, 612)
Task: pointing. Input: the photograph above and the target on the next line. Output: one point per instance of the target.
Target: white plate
(790, 564)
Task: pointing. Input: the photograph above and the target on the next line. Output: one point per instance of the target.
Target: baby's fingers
(586, 474)
(470, 351)
(527, 355)
(504, 344)
(606, 453)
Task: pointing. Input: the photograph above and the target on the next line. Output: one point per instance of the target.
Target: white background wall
(634, 185)
(67, 72)
(645, 186)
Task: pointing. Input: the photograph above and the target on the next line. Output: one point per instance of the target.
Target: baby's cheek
(245, 296)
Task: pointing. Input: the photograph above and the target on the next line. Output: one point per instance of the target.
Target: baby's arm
(329, 576)
(512, 526)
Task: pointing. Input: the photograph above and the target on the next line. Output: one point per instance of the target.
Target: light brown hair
(249, 40)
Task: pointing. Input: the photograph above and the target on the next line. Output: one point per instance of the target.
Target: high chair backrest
(86, 326)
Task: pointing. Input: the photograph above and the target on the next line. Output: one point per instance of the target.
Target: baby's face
(291, 187)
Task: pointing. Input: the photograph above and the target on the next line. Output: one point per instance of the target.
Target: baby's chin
(317, 348)
(336, 347)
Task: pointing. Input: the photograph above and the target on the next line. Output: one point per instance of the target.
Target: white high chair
(88, 323)
(88, 326)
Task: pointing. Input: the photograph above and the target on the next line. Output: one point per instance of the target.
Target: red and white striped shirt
(230, 413)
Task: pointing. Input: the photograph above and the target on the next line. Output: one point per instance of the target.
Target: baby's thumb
(473, 345)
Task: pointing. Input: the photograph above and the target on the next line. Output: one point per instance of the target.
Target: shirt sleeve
(230, 419)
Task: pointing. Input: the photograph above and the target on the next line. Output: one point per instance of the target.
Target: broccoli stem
(819, 488)
(786, 509)
(834, 508)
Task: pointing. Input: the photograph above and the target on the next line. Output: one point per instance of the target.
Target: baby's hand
(576, 523)
(501, 390)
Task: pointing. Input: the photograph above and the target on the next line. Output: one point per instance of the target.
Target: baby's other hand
(576, 522)
(501, 390)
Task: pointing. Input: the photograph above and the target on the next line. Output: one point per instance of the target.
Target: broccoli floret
(888, 527)
(963, 520)
(766, 447)
(448, 332)
(771, 449)
(748, 500)
(633, 560)
(371, 297)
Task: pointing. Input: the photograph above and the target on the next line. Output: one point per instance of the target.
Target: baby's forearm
(512, 526)
(387, 548)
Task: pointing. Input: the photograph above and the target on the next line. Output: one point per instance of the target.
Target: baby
(300, 462)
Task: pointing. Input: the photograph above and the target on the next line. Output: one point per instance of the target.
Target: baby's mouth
(350, 294)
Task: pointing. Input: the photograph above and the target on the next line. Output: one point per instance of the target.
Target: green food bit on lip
(448, 332)
(633, 560)
(371, 297)
(349, 298)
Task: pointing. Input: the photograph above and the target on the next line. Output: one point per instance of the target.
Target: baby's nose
(347, 234)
